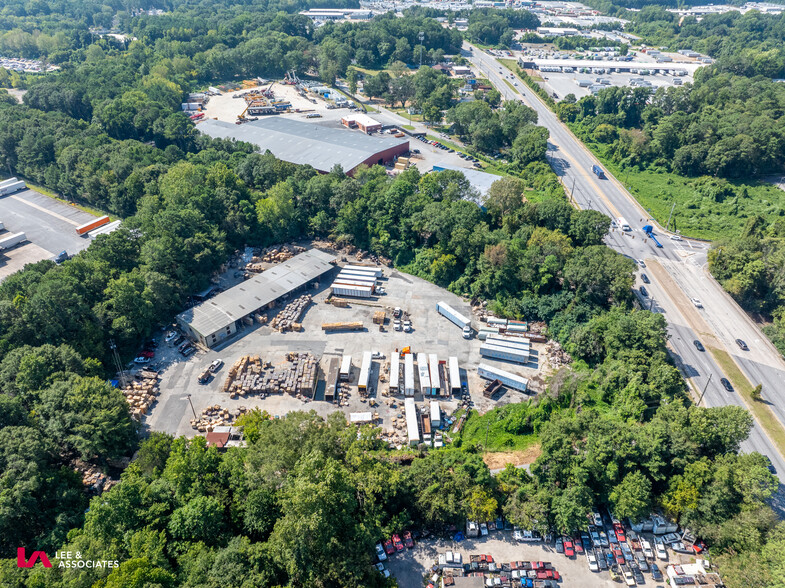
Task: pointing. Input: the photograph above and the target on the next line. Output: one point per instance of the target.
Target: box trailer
(360, 418)
(495, 321)
(347, 284)
(504, 353)
(354, 291)
(408, 374)
(12, 240)
(11, 186)
(412, 428)
(358, 274)
(516, 328)
(365, 371)
(355, 279)
(331, 388)
(93, 224)
(510, 380)
(436, 414)
(453, 315)
(346, 368)
(376, 271)
(395, 371)
(455, 375)
(424, 373)
(502, 341)
(433, 370)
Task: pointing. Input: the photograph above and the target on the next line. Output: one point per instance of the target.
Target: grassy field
(760, 410)
(499, 427)
(697, 214)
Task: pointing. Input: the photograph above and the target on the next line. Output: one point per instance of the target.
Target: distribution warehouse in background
(307, 144)
(216, 319)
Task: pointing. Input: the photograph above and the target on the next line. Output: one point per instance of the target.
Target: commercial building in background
(218, 318)
(363, 122)
(304, 143)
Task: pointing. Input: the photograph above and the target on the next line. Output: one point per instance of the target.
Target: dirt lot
(432, 333)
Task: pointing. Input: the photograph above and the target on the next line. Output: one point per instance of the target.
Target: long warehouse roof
(233, 304)
(304, 143)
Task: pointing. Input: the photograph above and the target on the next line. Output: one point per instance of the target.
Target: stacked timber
(141, 393)
(289, 318)
(356, 326)
(378, 317)
(216, 416)
(250, 376)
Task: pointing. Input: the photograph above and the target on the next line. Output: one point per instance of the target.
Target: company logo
(22, 562)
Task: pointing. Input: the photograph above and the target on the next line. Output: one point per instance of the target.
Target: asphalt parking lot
(565, 83)
(432, 333)
(49, 225)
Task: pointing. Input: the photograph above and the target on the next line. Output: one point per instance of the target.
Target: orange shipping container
(93, 224)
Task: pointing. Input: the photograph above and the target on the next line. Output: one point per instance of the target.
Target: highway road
(678, 271)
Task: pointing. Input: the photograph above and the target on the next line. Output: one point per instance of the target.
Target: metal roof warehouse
(306, 143)
(216, 319)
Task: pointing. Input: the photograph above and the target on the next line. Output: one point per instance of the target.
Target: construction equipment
(290, 78)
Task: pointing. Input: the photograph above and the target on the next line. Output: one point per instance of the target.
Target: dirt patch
(500, 459)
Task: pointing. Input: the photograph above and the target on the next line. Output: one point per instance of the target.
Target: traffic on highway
(678, 283)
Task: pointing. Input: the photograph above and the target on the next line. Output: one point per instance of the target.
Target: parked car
(647, 550)
(389, 549)
(643, 291)
(377, 355)
(726, 384)
(645, 279)
(618, 530)
(407, 326)
(640, 559)
(569, 549)
(148, 354)
(559, 545)
(170, 336)
(483, 529)
(641, 263)
(397, 325)
(662, 553)
(742, 345)
(698, 345)
(576, 541)
(382, 571)
(597, 518)
(407, 539)
(517, 535)
(177, 340)
(216, 365)
(636, 573)
(189, 351)
(676, 237)
(397, 542)
(380, 552)
(629, 579)
(141, 360)
(656, 574)
(603, 539)
(593, 565)
(604, 558)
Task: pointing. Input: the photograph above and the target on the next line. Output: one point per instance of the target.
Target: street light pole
(670, 216)
(421, 36)
(704, 390)
(188, 396)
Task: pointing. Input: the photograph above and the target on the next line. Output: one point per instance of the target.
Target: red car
(578, 546)
(147, 354)
(618, 555)
(388, 547)
(569, 548)
(618, 528)
(397, 542)
(407, 539)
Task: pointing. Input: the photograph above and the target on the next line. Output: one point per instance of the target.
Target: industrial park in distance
(376, 294)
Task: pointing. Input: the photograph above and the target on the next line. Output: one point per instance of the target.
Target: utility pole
(117, 363)
(651, 303)
(670, 216)
(704, 390)
(188, 396)
(421, 36)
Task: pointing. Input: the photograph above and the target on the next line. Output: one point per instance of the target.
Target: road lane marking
(42, 209)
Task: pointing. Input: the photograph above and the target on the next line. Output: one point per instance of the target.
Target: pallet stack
(216, 416)
(249, 375)
(378, 317)
(141, 393)
(289, 318)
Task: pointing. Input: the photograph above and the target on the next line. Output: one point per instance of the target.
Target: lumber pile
(141, 393)
(378, 317)
(289, 318)
(216, 416)
(296, 377)
(356, 326)
(93, 479)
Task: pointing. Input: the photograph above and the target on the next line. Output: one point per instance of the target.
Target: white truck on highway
(623, 224)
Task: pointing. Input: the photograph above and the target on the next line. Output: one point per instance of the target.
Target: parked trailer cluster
(11, 240)
(365, 371)
(10, 186)
(508, 379)
(513, 342)
(408, 374)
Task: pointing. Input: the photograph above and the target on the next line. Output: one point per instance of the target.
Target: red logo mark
(21, 562)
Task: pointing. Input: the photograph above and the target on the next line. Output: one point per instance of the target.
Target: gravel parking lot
(432, 333)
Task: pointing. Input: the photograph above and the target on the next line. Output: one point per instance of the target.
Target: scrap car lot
(431, 333)
(48, 224)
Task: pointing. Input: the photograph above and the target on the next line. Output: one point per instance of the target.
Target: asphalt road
(721, 320)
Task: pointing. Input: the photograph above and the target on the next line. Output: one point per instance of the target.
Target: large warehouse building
(306, 143)
(220, 317)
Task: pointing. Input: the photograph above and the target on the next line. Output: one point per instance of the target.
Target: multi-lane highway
(677, 271)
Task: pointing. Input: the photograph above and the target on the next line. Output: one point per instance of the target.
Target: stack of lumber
(216, 416)
(357, 326)
(291, 314)
(378, 317)
(141, 393)
(250, 376)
